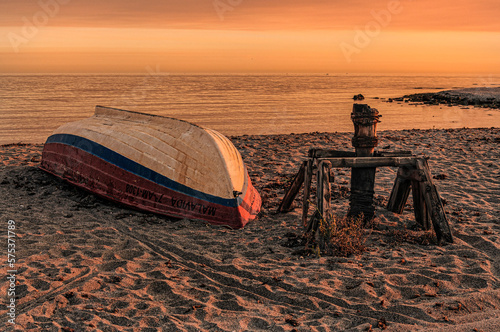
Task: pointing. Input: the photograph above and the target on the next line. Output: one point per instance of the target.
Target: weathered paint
(107, 173)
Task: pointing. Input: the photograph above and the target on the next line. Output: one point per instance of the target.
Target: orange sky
(450, 36)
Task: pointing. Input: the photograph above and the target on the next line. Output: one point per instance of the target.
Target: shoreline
(85, 263)
(272, 136)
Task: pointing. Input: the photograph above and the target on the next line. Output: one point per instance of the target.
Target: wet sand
(86, 264)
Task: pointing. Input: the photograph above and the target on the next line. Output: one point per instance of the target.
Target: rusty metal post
(365, 140)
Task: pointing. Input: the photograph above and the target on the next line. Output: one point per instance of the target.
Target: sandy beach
(85, 264)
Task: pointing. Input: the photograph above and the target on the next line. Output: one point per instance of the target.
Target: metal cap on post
(365, 121)
(365, 140)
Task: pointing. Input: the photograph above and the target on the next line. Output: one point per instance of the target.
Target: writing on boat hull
(194, 207)
(144, 193)
(175, 202)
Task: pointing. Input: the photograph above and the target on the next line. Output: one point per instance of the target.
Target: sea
(33, 105)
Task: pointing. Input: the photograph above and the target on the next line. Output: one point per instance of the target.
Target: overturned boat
(154, 163)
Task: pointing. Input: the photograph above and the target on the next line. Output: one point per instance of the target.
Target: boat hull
(104, 172)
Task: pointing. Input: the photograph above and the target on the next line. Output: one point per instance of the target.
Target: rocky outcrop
(478, 97)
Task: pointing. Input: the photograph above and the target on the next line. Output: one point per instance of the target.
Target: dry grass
(398, 236)
(341, 236)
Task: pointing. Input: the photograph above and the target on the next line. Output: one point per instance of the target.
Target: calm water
(32, 106)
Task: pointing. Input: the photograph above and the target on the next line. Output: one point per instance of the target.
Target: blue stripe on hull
(136, 168)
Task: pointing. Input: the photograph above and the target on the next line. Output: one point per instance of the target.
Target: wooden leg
(307, 190)
(292, 191)
(434, 204)
(399, 194)
(324, 190)
(362, 191)
(313, 224)
(419, 204)
(323, 196)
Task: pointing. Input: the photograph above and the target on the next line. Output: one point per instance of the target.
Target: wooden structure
(365, 140)
(413, 174)
(154, 163)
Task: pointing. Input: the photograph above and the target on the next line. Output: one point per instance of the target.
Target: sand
(85, 264)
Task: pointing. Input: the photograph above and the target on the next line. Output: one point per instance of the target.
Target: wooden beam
(324, 192)
(400, 192)
(327, 153)
(392, 154)
(286, 204)
(364, 141)
(307, 190)
(363, 162)
(420, 208)
(313, 224)
(411, 173)
(434, 204)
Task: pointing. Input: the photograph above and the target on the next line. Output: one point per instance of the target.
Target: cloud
(248, 36)
(460, 15)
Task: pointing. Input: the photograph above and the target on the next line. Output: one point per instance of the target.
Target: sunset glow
(250, 36)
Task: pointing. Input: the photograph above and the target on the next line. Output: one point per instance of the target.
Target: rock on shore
(479, 97)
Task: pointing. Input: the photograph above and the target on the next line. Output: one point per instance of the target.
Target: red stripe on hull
(250, 206)
(112, 182)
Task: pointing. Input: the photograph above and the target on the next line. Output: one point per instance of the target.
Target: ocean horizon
(33, 105)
